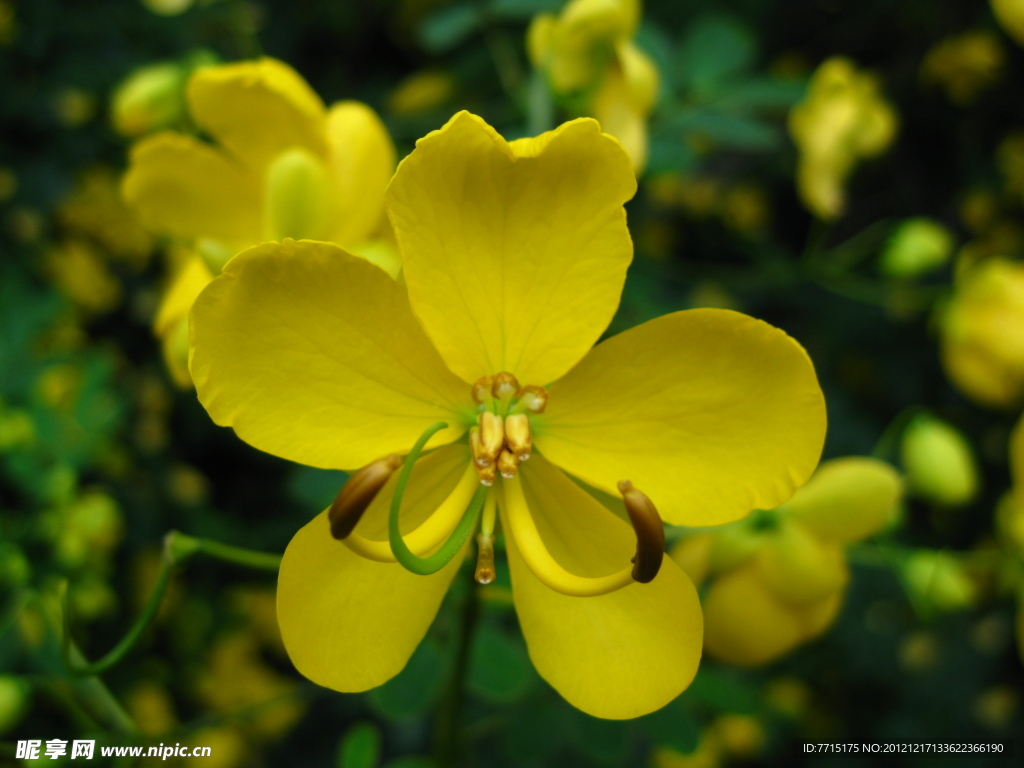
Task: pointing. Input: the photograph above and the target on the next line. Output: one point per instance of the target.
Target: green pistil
(425, 566)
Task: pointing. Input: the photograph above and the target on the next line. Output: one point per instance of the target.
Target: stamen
(477, 447)
(486, 474)
(430, 533)
(508, 464)
(485, 572)
(492, 435)
(505, 386)
(425, 566)
(533, 398)
(482, 389)
(531, 546)
(650, 532)
(357, 494)
(518, 439)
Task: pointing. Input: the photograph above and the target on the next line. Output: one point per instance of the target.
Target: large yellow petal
(709, 412)
(514, 254)
(349, 623)
(848, 499)
(313, 354)
(361, 162)
(616, 656)
(177, 185)
(258, 109)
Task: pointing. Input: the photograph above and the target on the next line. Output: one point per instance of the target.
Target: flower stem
(178, 548)
(447, 732)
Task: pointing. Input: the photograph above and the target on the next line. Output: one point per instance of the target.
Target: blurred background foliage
(101, 454)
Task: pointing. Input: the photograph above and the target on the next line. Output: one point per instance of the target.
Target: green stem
(447, 743)
(183, 546)
(424, 566)
(178, 549)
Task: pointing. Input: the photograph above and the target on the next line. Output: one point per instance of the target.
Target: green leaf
(762, 93)
(415, 689)
(448, 26)
(722, 691)
(672, 726)
(360, 747)
(731, 131)
(606, 742)
(715, 49)
(523, 9)
(412, 761)
(499, 669)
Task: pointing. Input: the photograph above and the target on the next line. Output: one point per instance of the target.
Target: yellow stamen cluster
(501, 440)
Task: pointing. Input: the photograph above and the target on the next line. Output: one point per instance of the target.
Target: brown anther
(485, 572)
(518, 439)
(508, 464)
(486, 474)
(482, 389)
(477, 448)
(650, 533)
(492, 435)
(505, 386)
(357, 494)
(534, 398)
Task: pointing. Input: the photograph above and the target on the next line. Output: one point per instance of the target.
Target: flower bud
(937, 581)
(297, 196)
(917, 246)
(149, 99)
(938, 462)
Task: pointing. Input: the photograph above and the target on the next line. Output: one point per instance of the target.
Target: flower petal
(349, 623)
(848, 499)
(748, 624)
(177, 185)
(709, 412)
(171, 323)
(361, 162)
(258, 109)
(313, 354)
(616, 656)
(799, 567)
(514, 254)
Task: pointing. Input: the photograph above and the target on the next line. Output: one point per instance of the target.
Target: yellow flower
(778, 579)
(982, 333)
(965, 65)
(514, 257)
(284, 166)
(1010, 15)
(95, 211)
(590, 62)
(842, 120)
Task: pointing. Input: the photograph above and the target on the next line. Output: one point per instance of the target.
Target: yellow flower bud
(917, 246)
(15, 695)
(798, 567)
(937, 581)
(938, 462)
(847, 499)
(150, 98)
(298, 190)
(982, 333)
